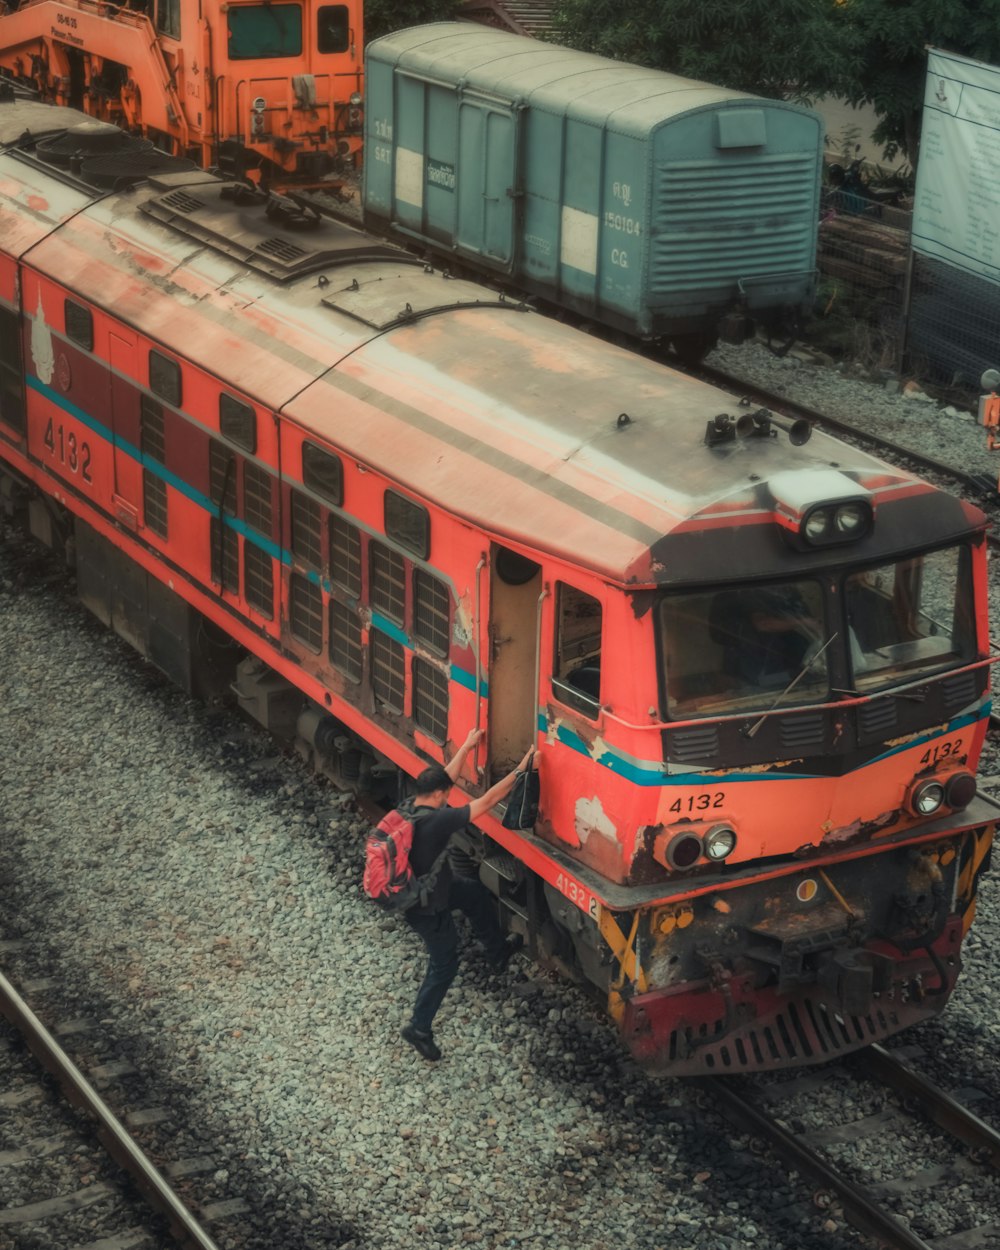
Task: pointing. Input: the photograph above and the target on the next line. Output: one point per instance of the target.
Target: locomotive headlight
(960, 790)
(684, 850)
(832, 523)
(355, 99)
(817, 525)
(821, 508)
(719, 842)
(850, 519)
(926, 797)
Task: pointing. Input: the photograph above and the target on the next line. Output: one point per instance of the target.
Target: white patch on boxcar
(591, 818)
(42, 355)
(410, 177)
(578, 246)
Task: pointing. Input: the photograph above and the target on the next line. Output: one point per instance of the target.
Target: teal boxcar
(649, 202)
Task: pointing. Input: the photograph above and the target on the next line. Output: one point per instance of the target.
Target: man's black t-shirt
(431, 833)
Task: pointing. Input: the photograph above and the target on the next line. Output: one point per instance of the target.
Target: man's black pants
(440, 936)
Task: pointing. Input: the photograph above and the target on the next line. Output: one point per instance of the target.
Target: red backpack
(389, 877)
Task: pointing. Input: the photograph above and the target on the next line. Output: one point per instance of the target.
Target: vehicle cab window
(168, 18)
(264, 30)
(333, 32)
(576, 677)
(738, 648)
(910, 618)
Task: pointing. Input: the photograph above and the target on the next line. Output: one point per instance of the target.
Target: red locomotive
(756, 669)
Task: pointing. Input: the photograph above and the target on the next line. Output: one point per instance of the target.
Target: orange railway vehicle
(387, 505)
(269, 90)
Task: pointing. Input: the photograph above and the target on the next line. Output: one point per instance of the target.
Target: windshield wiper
(749, 733)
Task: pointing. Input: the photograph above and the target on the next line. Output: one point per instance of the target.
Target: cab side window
(333, 30)
(168, 18)
(576, 677)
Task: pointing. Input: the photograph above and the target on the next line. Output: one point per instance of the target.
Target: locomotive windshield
(738, 648)
(909, 618)
(742, 648)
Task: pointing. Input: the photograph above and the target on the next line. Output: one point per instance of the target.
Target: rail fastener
(938, 1106)
(859, 1207)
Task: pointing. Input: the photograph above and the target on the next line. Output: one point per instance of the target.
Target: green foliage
(384, 16)
(889, 57)
(866, 51)
(784, 49)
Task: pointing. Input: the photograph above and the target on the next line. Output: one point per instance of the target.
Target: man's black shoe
(512, 944)
(423, 1042)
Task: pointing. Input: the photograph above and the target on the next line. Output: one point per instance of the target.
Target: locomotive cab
(798, 800)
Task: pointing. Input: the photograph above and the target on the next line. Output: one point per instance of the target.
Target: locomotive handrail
(854, 700)
(479, 650)
(538, 636)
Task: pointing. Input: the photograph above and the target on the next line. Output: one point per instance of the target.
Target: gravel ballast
(946, 431)
(194, 885)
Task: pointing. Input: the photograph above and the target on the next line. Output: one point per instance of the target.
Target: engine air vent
(281, 250)
(878, 718)
(688, 746)
(960, 690)
(239, 223)
(797, 733)
(92, 138)
(106, 157)
(181, 202)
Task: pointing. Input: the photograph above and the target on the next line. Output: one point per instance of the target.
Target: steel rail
(114, 1136)
(940, 1107)
(862, 1209)
(781, 404)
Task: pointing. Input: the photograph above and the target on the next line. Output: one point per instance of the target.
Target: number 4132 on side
(71, 452)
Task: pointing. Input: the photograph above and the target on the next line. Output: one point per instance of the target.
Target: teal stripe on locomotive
(630, 768)
(647, 773)
(459, 675)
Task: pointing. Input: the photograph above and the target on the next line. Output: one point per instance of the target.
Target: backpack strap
(428, 880)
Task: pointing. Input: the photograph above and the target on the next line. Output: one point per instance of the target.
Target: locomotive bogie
(411, 507)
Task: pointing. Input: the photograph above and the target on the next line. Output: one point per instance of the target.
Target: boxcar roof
(577, 84)
(534, 431)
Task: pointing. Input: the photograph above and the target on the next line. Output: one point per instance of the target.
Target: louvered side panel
(748, 219)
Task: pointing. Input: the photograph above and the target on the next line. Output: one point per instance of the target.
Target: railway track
(43, 1199)
(976, 484)
(966, 1149)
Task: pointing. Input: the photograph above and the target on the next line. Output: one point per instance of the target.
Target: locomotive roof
(504, 417)
(18, 116)
(41, 202)
(579, 84)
